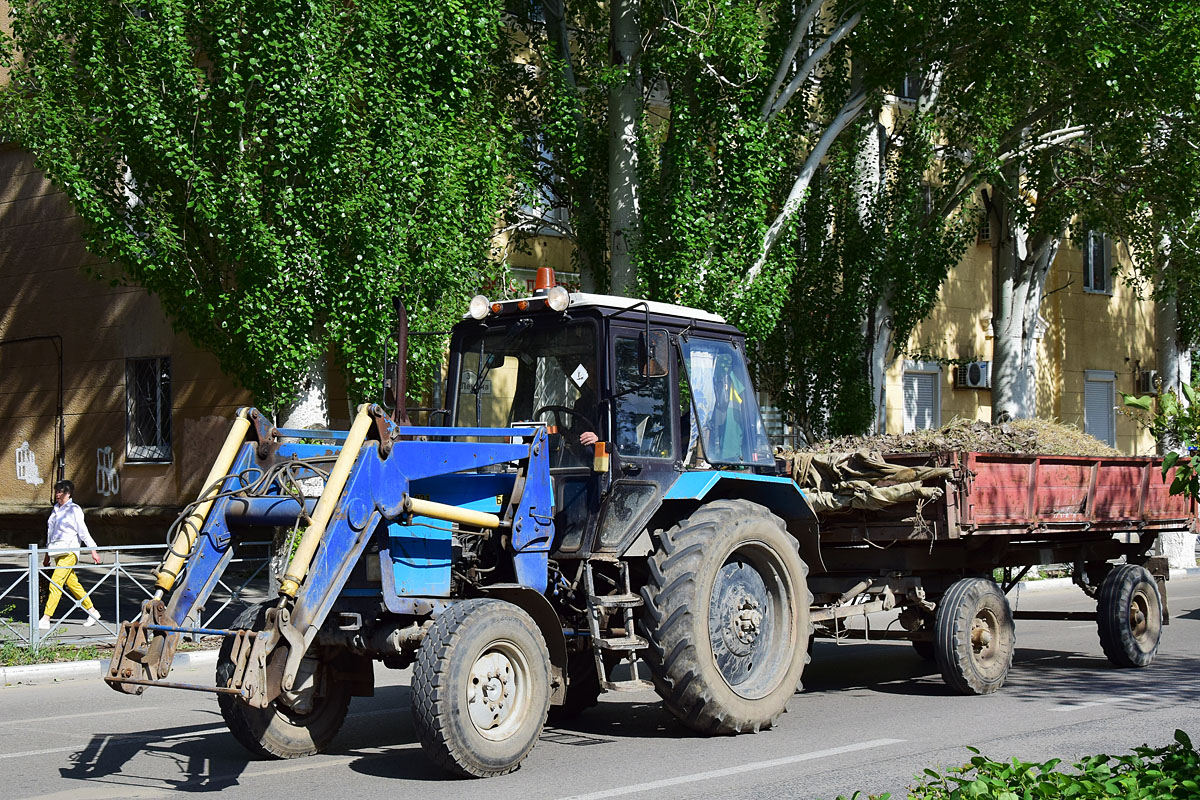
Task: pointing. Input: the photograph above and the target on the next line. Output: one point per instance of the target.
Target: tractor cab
(633, 394)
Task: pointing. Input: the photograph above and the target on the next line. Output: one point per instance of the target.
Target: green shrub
(1172, 771)
(1164, 772)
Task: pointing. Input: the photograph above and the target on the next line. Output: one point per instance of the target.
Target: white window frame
(934, 369)
(1090, 241)
(1101, 376)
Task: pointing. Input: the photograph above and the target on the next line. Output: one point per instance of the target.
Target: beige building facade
(1097, 340)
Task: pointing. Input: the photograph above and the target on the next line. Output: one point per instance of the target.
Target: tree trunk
(310, 411)
(1021, 263)
(311, 407)
(624, 100)
(877, 328)
(1174, 362)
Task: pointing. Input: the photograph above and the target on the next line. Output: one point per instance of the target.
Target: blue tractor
(598, 498)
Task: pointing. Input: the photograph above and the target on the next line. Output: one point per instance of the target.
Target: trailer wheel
(1129, 616)
(974, 637)
(277, 731)
(481, 688)
(727, 607)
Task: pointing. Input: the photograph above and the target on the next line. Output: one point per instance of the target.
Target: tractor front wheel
(280, 731)
(481, 688)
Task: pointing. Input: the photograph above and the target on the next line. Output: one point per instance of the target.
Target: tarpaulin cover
(843, 481)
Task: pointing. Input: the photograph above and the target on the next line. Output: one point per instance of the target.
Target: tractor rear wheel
(727, 607)
(481, 688)
(279, 731)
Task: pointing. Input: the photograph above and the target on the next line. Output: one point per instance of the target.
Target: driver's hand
(589, 438)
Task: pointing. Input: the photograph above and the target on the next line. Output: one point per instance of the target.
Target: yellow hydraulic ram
(181, 548)
(463, 516)
(298, 567)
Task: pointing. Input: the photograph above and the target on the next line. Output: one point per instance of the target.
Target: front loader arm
(369, 481)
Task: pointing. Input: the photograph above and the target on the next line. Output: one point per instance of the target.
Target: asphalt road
(872, 716)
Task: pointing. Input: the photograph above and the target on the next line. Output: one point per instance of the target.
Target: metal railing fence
(118, 585)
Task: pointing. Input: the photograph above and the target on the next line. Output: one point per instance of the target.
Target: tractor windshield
(527, 373)
(730, 425)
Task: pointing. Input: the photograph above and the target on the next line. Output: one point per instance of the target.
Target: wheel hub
(747, 622)
(982, 634)
(490, 693)
(1138, 616)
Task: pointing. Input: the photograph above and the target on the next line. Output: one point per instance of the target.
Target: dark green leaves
(275, 171)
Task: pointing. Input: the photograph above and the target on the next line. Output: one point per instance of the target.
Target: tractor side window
(730, 426)
(643, 405)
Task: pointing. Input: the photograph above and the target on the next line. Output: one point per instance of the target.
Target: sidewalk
(1066, 583)
(69, 670)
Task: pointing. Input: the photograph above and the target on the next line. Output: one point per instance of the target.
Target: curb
(71, 670)
(1066, 583)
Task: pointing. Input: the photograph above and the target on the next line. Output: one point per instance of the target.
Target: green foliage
(274, 171)
(1162, 772)
(1177, 426)
(14, 655)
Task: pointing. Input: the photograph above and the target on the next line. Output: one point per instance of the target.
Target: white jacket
(66, 530)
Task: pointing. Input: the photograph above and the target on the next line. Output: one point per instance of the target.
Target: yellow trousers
(65, 574)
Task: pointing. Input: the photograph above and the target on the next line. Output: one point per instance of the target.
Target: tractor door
(644, 422)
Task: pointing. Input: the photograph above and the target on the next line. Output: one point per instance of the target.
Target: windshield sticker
(580, 376)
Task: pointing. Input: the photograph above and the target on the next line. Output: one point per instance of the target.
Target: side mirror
(655, 352)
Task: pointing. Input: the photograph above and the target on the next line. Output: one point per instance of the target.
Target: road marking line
(77, 716)
(1103, 701)
(722, 773)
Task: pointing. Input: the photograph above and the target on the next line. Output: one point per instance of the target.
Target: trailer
(948, 557)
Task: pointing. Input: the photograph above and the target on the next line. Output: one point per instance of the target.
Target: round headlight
(479, 307)
(558, 298)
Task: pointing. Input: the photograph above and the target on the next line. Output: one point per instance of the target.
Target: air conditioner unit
(1148, 381)
(976, 375)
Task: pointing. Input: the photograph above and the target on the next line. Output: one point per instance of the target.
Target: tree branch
(850, 111)
(799, 32)
(809, 65)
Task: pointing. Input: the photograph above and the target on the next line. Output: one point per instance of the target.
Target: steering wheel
(572, 442)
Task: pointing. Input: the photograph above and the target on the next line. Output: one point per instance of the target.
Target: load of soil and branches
(852, 472)
(1019, 436)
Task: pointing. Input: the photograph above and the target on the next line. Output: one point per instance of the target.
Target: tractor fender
(538, 607)
(780, 495)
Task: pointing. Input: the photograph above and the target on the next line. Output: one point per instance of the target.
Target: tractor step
(618, 601)
(621, 640)
(623, 644)
(628, 686)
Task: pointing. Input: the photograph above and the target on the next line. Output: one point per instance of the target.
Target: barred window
(148, 409)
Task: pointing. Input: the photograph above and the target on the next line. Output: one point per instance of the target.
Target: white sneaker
(93, 618)
(44, 624)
